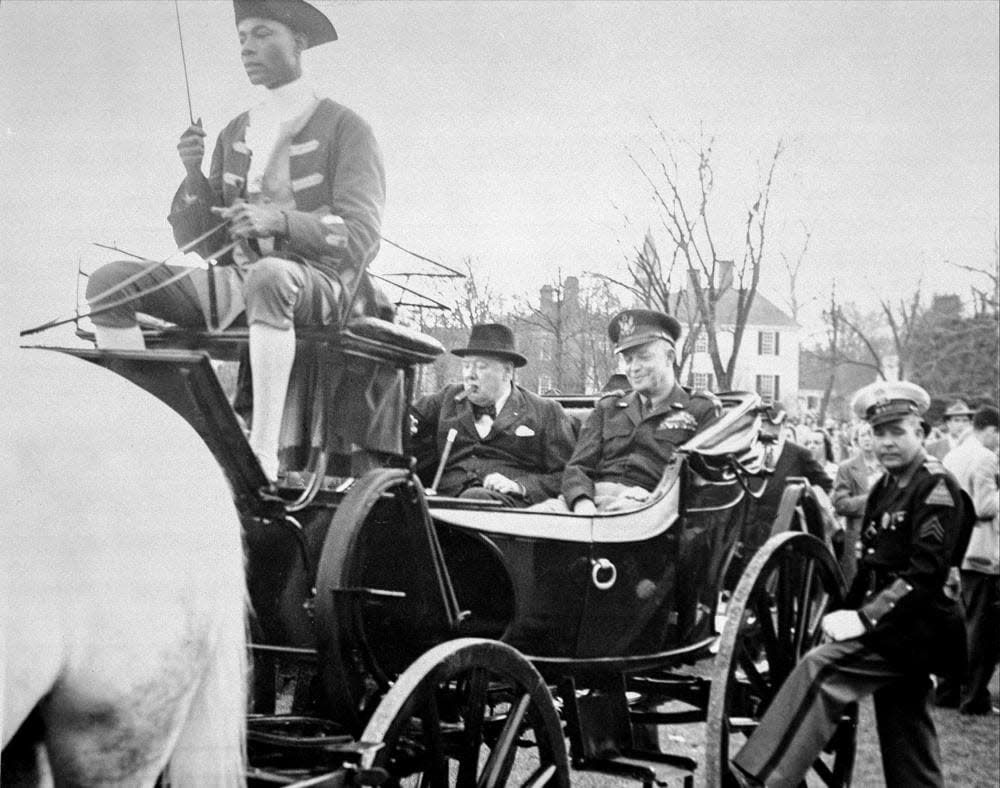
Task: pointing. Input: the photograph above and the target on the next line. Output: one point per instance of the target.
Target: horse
(122, 587)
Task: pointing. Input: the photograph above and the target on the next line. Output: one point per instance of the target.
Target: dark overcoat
(530, 442)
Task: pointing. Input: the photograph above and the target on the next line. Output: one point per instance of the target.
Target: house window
(767, 343)
(545, 352)
(768, 387)
(544, 383)
(703, 381)
(701, 343)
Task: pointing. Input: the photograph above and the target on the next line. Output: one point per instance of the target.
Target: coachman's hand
(192, 147)
(252, 220)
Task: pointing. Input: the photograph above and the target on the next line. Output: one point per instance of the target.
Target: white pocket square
(524, 431)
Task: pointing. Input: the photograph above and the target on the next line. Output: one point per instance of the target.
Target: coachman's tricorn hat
(883, 401)
(492, 340)
(297, 15)
(635, 327)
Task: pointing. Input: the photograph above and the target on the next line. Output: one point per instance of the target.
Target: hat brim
(644, 339)
(956, 414)
(504, 355)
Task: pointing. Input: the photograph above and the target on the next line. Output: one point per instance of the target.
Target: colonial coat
(530, 441)
(621, 443)
(337, 181)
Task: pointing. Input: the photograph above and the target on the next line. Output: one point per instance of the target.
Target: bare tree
(694, 254)
(986, 300)
(792, 269)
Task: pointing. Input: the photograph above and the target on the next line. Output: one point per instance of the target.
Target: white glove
(843, 625)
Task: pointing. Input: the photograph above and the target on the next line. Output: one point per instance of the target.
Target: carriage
(401, 637)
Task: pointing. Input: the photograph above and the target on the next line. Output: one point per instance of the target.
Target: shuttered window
(768, 386)
(768, 343)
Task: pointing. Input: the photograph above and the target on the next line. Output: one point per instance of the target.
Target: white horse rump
(122, 591)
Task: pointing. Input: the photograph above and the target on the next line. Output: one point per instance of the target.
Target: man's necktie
(478, 411)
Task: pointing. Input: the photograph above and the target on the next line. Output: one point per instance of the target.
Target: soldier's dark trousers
(803, 717)
(981, 597)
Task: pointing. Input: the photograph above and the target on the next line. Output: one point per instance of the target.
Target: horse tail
(211, 748)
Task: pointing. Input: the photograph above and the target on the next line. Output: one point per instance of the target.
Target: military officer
(897, 626)
(629, 437)
(510, 445)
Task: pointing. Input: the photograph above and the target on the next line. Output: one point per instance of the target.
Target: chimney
(545, 298)
(725, 275)
(571, 294)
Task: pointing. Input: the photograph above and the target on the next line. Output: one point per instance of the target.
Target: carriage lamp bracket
(603, 573)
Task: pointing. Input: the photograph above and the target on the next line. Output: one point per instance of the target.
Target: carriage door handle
(602, 573)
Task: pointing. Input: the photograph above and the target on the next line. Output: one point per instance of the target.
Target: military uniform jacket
(530, 442)
(337, 179)
(908, 537)
(621, 443)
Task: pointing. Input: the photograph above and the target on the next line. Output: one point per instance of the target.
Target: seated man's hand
(584, 506)
(843, 625)
(252, 220)
(501, 484)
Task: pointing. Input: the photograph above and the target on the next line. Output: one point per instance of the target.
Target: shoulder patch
(940, 495)
(932, 531)
(934, 465)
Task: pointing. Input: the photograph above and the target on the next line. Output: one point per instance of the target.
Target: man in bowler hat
(299, 182)
(510, 446)
(897, 625)
(629, 436)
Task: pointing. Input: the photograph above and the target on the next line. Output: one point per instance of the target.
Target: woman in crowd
(850, 492)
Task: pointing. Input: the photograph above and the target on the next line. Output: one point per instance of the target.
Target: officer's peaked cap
(297, 15)
(635, 327)
(883, 401)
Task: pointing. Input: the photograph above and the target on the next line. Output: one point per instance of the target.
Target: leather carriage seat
(377, 330)
(734, 433)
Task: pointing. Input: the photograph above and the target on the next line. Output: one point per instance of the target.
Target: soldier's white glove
(843, 625)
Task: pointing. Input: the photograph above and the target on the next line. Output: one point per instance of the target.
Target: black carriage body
(577, 594)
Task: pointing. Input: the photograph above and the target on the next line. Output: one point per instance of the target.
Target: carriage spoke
(437, 767)
(501, 758)
(805, 608)
(755, 678)
(765, 620)
(473, 714)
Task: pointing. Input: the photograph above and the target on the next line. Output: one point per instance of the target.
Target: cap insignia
(626, 326)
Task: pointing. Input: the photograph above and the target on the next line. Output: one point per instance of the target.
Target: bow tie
(479, 411)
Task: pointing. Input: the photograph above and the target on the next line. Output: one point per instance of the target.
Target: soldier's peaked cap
(635, 327)
(883, 401)
(297, 15)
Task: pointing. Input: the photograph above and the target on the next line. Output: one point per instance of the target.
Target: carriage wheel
(469, 712)
(772, 620)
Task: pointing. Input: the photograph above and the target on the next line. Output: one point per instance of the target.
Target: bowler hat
(635, 327)
(492, 339)
(298, 15)
(882, 401)
(958, 408)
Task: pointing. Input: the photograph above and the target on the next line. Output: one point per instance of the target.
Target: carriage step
(651, 770)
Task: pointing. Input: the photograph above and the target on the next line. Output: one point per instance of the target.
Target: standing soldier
(897, 626)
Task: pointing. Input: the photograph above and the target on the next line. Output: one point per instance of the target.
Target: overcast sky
(506, 129)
